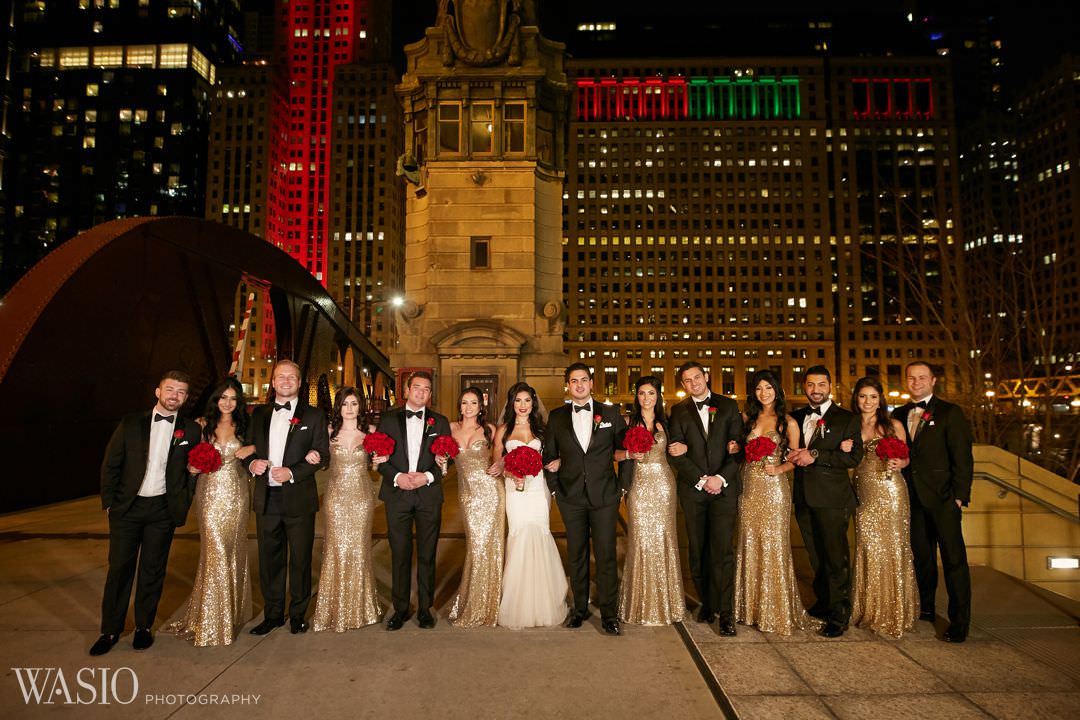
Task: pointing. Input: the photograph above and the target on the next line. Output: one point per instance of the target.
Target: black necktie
(579, 408)
(286, 406)
(166, 418)
(813, 411)
(702, 403)
(921, 404)
(414, 414)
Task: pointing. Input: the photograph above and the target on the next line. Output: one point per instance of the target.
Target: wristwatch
(813, 454)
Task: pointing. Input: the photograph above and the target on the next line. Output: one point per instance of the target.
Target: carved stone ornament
(482, 32)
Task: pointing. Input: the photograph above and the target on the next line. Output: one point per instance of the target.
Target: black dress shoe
(928, 615)
(611, 626)
(705, 615)
(956, 633)
(297, 626)
(575, 620)
(395, 622)
(142, 640)
(266, 626)
(833, 629)
(425, 619)
(103, 644)
(727, 627)
(816, 611)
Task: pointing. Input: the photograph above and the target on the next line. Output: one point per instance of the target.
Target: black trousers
(598, 524)
(139, 541)
(404, 512)
(280, 535)
(825, 534)
(934, 528)
(710, 532)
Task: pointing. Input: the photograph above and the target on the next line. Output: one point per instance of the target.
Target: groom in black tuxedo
(146, 490)
(286, 498)
(703, 428)
(939, 483)
(583, 435)
(830, 445)
(413, 494)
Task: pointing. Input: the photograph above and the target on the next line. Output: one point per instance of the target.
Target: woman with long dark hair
(885, 597)
(220, 601)
(651, 592)
(346, 597)
(483, 506)
(534, 583)
(766, 592)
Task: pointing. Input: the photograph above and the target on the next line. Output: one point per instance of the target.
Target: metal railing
(1009, 487)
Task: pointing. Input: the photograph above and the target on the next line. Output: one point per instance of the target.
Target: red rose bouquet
(759, 448)
(638, 440)
(446, 446)
(890, 448)
(523, 461)
(378, 443)
(204, 457)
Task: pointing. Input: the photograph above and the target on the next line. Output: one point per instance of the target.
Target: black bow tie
(579, 408)
(286, 406)
(921, 404)
(166, 418)
(414, 414)
(813, 410)
(701, 403)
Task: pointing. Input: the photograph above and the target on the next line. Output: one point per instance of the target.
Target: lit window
(91, 90)
(109, 56)
(141, 56)
(173, 56)
(482, 128)
(77, 57)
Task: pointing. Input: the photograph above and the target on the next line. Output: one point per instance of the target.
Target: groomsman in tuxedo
(146, 491)
(939, 483)
(705, 430)
(286, 499)
(830, 444)
(412, 491)
(583, 435)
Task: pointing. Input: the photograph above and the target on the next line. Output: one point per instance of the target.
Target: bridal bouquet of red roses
(759, 448)
(638, 439)
(446, 446)
(378, 443)
(205, 458)
(890, 448)
(522, 462)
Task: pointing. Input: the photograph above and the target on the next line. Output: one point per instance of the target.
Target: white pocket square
(303, 427)
(183, 442)
(604, 425)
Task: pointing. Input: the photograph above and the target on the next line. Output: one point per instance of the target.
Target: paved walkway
(1021, 661)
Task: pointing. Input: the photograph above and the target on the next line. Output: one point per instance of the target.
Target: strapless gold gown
(483, 507)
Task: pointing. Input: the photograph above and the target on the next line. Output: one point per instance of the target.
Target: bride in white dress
(534, 582)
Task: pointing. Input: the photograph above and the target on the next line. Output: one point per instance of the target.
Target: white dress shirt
(809, 424)
(279, 435)
(583, 423)
(161, 437)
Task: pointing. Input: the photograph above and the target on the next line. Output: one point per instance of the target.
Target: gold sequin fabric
(652, 589)
(483, 507)
(884, 595)
(347, 597)
(766, 591)
(220, 601)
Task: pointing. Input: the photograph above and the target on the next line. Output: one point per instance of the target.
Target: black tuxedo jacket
(826, 483)
(393, 424)
(941, 464)
(586, 476)
(124, 466)
(301, 496)
(707, 455)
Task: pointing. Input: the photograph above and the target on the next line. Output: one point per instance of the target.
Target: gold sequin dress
(220, 601)
(651, 592)
(885, 597)
(483, 506)
(766, 591)
(347, 597)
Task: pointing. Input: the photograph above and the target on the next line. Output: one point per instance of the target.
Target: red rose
(638, 440)
(926, 417)
(293, 422)
(821, 422)
(759, 448)
(431, 422)
(446, 446)
(522, 462)
(378, 443)
(890, 448)
(205, 458)
(177, 436)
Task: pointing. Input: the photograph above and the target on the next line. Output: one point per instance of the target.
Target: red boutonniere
(821, 422)
(712, 413)
(926, 418)
(293, 422)
(431, 422)
(177, 436)
(596, 421)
